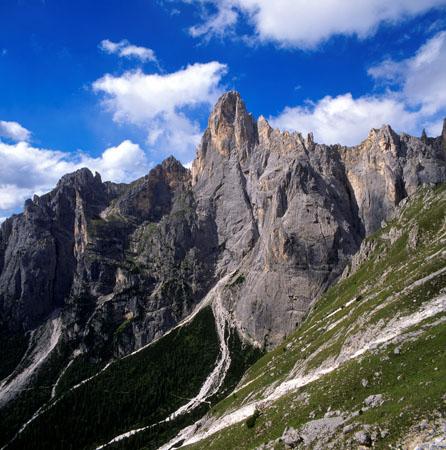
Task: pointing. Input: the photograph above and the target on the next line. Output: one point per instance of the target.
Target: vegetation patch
(251, 420)
(133, 392)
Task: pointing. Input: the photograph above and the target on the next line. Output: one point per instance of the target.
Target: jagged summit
(230, 121)
(230, 125)
(83, 176)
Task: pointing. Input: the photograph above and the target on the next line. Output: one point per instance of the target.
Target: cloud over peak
(28, 170)
(414, 98)
(163, 104)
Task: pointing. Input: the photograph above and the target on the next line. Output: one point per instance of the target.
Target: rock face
(107, 254)
(289, 213)
(278, 211)
(39, 248)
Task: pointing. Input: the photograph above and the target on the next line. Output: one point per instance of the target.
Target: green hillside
(393, 305)
(137, 391)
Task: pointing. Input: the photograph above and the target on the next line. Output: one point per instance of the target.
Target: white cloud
(162, 104)
(28, 170)
(346, 120)
(126, 50)
(14, 131)
(123, 163)
(422, 77)
(306, 24)
(418, 100)
(216, 24)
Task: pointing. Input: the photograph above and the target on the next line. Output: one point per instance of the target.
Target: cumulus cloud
(126, 50)
(163, 104)
(422, 77)
(344, 119)
(14, 131)
(27, 170)
(414, 98)
(306, 24)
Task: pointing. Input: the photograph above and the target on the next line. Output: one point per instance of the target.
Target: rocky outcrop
(388, 167)
(39, 248)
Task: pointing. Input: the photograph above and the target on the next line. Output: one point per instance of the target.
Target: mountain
(140, 306)
(367, 367)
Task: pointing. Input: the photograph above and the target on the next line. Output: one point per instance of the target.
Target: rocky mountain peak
(79, 178)
(264, 130)
(270, 221)
(383, 140)
(171, 164)
(171, 172)
(228, 106)
(150, 197)
(230, 125)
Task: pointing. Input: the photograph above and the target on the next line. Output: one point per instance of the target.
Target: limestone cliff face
(280, 212)
(387, 167)
(289, 213)
(39, 248)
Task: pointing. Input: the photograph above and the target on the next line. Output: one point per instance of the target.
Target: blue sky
(119, 85)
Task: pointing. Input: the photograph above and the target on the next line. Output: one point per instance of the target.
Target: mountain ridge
(277, 216)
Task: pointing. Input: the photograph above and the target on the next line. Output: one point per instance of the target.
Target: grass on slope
(406, 250)
(135, 391)
(413, 384)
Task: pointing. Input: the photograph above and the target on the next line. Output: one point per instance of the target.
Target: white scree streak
(216, 378)
(394, 328)
(44, 340)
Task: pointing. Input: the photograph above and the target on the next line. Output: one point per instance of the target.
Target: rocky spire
(424, 136)
(230, 125)
(310, 140)
(264, 129)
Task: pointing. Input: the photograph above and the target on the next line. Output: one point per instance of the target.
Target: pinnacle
(230, 105)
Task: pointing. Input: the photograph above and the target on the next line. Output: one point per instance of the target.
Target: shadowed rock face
(107, 254)
(38, 250)
(283, 212)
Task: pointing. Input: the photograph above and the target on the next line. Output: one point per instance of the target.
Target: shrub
(251, 421)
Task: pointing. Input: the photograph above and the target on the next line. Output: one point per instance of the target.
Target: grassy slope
(136, 391)
(412, 382)
(133, 392)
